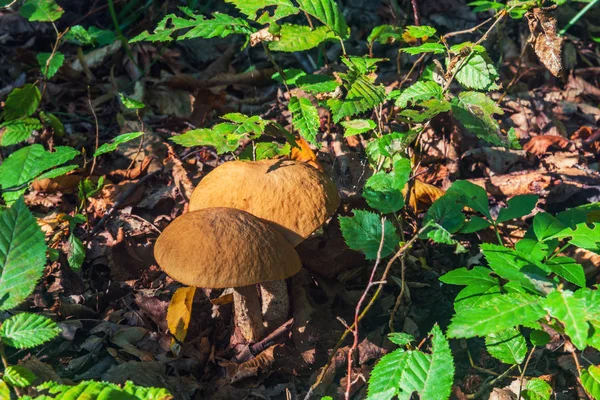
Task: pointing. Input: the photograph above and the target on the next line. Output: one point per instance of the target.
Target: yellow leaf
(305, 154)
(180, 312)
(422, 195)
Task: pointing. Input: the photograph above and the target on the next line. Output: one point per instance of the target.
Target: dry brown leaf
(544, 38)
(422, 195)
(540, 144)
(237, 372)
(182, 181)
(263, 35)
(179, 312)
(65, 184)
(305, 154)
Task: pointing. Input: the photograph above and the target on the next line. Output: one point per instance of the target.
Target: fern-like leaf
(305, 118)
(385, 377)
(362, 96)
(328, 13)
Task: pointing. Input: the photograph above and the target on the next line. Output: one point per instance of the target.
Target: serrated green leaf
(300, 38)
(130, 103)
(328, 13)
(76, 253)
(18, 130)
(19, 376)
(118, 140)
(400, 338)
(568, 269)
(421, 90)
(477, 73)
(358, 126)
(26, 330)
(208, 137)
(362, 96)
(22, 102)
(385, 377)
(420, 31)
(570, 310)
(266, 150)
(363, 65)
(447, 212)
(41, 10)
(385, 34)
(430, 375)
(50, 63)
(464, 276)
(471, 195)
(475, 224)
(22, 255)
(585, 236)
(305, 118)
(588, 213)
(221, 25)
(475, 112)
(91, 36)
(380, 193)
(537, 389)
(508, 346)
(545, 226)
(53, 173)
(435, 48)
(54, 122)
(590, 380)
(362, 232)
(93, 390)
(317, 83)
(473, 296)
(517, 207)
(4, 391)
(25, 164)
(498, 313)
(429, 109)
(281, 9)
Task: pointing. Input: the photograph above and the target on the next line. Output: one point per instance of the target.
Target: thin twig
(415, 7)
(357, 310)
(97, 131)
(523, 371)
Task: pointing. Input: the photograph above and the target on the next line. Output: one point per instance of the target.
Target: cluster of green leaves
(92, 390)
(402, 372)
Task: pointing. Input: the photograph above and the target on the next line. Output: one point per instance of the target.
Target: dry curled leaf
(540, 144)
(422, 195)
(237, 372)
(544, 38)
(305, 154)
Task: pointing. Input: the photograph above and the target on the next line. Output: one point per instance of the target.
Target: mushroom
(295, 197)
(225, 247)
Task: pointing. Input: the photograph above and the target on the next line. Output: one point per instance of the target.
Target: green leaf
(328, 13)
(208, 137)
(537, 389)
(477, 73)
(41, 10)
(568, 269)
(447, 212)
(517, 207)
(19, 376)
(590, 380)
(282, 9)
(539, 338)
(380, 193)
(26, 330)
(300, 38)
(317, 83)
(305, 118)
(420, 32)
(430, 108)
(131, 104)
(25, 164)
(362, 96)
(50, 63)
(587, 213)
(386, 376)
(358, 126)
(221, 25)
(472, 196)
(475, 112)
(475, 224)
(435, 48)
(22, 102)
(76, 253)
(429, 375)
(362, 65)
(464, 276)
(53, 173)
(362, 232)
(498, 313)
(545, 226)
(570, 310)
(385, 34)
(421, 90)
(583, 236)
(53, 121)
(473, 296)
(22, 255)
(18, 130)
(265, 150)
(440, 235)
(92, 36)
(400, 338)
(4, 391)
(112, 146)
(94, 390)
(508, 346)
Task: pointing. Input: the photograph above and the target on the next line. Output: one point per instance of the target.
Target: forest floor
(113, 313)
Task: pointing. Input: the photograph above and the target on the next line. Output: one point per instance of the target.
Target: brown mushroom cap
(294, 196)
(224, 247)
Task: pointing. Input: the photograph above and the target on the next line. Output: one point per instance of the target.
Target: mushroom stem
(275, 303)
(247, 313)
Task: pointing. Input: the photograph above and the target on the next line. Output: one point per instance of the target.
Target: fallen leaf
(540, 144)
(544, 38)
(305, 154)
(180, 311)
(422, 195)
(237, 372)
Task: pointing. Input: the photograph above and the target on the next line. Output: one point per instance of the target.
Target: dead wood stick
(251, 351)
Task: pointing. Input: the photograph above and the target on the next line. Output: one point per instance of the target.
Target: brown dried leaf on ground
(237, 372)
(540, 144)
(509, 185)
(544, 38)
(175, 166)
(421, 195)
